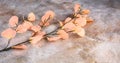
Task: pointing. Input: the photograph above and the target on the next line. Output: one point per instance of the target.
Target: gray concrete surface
(101, 44)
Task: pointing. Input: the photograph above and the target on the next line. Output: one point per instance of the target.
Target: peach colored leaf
(60, 23)
(20, 47)
(80, 31)
(24, 27)
(69, 26)
(39, 35)
(31, 17)
(79, 16)
(48, 15)
(27, 24)
(52, 39)
(8, 33)
(80, 21)
(67, 20)
(63, 34)
(13, 21)
(47, 24)
(89, 20)
(44, 18)
(76, 8)
(41, 23)
(85, 11)
(35, 39)
(21, 29)
(35, 28)
(44, 23)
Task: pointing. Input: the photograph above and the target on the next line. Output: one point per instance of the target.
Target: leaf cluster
(73, 24)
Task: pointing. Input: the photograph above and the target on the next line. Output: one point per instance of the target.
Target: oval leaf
(48, 16)
(60, 23)
(13, 21)
(89, 20)
(67, 20)
(76, 8)
(85, 11)
(27, 24)
(8, 33)
(35, 28)
(69, 26)
(52, 39)
(35, 39)
(24, 27)
(50, 13)
(80, 31)
(63, 34)
(20, 47)
(80, 21)
(21, 29)
(31, 16)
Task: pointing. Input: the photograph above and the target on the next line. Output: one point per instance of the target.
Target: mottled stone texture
(101, 44)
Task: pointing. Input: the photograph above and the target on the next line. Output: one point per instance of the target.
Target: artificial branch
(73, 24)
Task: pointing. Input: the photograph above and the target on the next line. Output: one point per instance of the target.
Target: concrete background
(101, 44)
